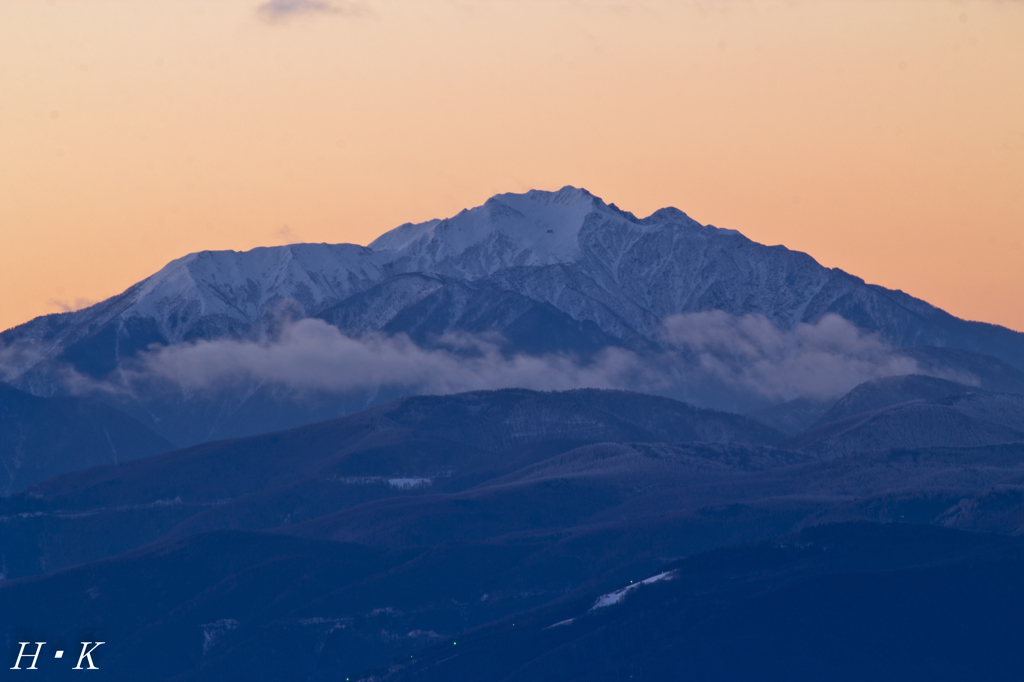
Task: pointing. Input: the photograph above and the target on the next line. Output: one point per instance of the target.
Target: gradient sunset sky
(884, 137)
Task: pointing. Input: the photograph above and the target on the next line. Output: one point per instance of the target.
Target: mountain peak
(534, 228)
(566, 195)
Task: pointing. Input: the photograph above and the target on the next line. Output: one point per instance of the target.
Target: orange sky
(885, 137)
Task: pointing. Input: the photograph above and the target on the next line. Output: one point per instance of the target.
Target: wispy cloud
(311, 355)
(69, 306)
(821, 360)
(711, 359)
(280, 10)
(17, 357)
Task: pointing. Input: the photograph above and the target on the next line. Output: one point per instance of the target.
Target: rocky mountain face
(537, 273)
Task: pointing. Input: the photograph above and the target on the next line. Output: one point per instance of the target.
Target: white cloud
(708, 353)
(310, 355)
(17, 357)
(821, 360)
(70, 306)
(710, 359)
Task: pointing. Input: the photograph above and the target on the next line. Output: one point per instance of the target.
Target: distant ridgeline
(522, 535)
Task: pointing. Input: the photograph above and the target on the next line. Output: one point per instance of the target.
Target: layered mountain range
(539, 274)
(528, 535)
(860, 519)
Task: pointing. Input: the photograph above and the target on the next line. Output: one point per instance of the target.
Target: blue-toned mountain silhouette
(43, 437)
(566, 535)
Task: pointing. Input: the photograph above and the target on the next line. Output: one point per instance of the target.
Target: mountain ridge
(243, 285)
(541, 273)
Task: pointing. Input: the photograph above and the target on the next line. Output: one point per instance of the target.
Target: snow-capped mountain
(549, 271)
(586, 258)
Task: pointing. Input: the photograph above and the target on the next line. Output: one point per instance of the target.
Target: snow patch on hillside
(612, 598)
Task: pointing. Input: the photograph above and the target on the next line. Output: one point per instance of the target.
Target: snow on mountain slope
(509, 230)
(968, 420)
(203, 295)
(244, 286)
(594, 261)
(562, 265)
(888, 391)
